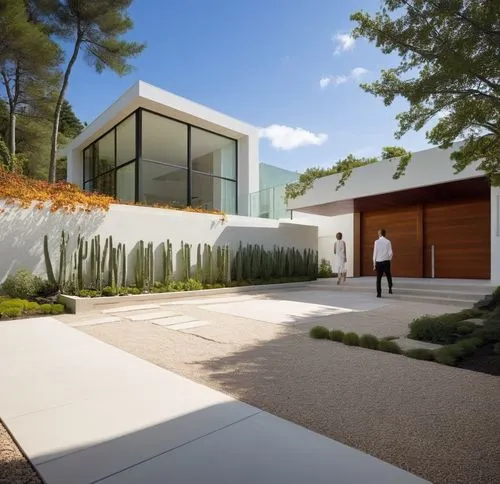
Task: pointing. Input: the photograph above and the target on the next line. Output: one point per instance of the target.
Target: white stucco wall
(21, 237)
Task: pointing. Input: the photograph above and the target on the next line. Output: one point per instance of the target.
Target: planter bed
(78, 305)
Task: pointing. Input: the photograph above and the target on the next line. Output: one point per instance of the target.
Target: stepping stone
(151, 316)
(126, 309)
(93, 322)
(191, 325)
(174, 320)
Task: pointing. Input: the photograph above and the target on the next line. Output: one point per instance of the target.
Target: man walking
(382, 256)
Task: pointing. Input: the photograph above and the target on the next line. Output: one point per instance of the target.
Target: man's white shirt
(382, 250)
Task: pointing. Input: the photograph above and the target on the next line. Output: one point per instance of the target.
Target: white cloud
(344, 42)
(354, 75)
(286, 138)
(358, 72)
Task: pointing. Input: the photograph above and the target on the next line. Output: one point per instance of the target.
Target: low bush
(351, 339)
(319, 332)
(389, 346)
(325, 269)
(420, 354)
(489, 333)
(15, 308)
(12, 312)
(23, 284)
(496, 349)
(336, 335)
(451, 354)
(133, 290)
(368, 341)
(193, 285)
(109, 291)
(444, 329)
(88, 293)
(496, 295)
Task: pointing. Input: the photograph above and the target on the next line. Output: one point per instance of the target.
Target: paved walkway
(86, 412)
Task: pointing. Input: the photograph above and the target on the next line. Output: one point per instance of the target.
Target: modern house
(441, 224)
(152, 146)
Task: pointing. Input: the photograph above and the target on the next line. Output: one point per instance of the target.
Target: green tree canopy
(343, 167)
(94, 28)
(449, 72)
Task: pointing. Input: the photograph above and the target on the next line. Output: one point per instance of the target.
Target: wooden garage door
(460, 233)
(402, 226)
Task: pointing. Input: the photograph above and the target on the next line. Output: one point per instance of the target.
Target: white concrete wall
(495, 234)
(429, 167)
(21, 237)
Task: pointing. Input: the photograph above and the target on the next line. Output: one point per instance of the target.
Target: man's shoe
(390, 290)
(378, 295)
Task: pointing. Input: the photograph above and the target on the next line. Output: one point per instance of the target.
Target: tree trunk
(12, 133)
(57, 112)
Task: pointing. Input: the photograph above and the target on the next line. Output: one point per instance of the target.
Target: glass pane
(213, 193)
(163, 184)
(214, 154)
(164, 140)
(125, 183)
(105, 153)
(125, 141)
(88, 163)
(105, 184)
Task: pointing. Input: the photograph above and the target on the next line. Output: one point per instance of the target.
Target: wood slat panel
(460, 232)
(404, 232)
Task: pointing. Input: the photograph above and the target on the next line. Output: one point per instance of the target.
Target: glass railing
(267, 203)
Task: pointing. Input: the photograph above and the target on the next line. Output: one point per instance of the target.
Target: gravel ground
(14, 468)
(438, 422)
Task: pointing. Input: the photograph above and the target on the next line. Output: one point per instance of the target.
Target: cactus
(124, 266)
(151, 266)
(48, 263)
(227, 265)
(208, 265)
(199, 268)
(167, 262)
(63, 248)
(82, 251)
(186, 261)
(239, 263)
(139, 266)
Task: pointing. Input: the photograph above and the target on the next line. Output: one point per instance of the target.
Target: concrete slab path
(86, 412)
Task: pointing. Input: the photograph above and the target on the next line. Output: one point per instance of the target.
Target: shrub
(448, 355)
(56, 309)
(11, 312)
(336, 335)
(193, 285)
(390, 338)
(23, 284)
(88, 293)
(389, 346)
(443, 328)
(496, 295)
(134, 290)
(46, 308)
(368, 341)
(496, 349)
(319, 332)
(351, 339)
(108, 291)
(325, 269)
(490, 332)
(420, 354)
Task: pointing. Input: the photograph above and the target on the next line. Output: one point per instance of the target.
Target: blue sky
(285, 66)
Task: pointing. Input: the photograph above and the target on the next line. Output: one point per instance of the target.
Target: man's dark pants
(383, 268)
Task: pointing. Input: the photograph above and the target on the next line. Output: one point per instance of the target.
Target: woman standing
(340, 251)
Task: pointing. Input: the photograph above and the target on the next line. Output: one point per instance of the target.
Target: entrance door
(402, 226)
(460, 234)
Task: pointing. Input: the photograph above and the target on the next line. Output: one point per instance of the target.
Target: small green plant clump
(451, 354)
(496, 349)
(15, 308)
(369, 341)
(351, 339)
(22, 285)
(420, 354)
(325, 269)
(336, 335)
(389, 346)
(319, 332)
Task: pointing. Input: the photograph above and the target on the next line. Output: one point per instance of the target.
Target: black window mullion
(115, 190)
(138, 153)
(189, 169)
(236, 175)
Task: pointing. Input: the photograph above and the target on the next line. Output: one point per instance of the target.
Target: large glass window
(166, 174)
(163, 184)
(105, 153)
(213, 154)
(164, 140)
(125, 141)
(125, 183)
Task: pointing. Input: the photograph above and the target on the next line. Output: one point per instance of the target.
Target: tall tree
(449, 72)
(94, 27)
(28, 65)
(69, 126)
